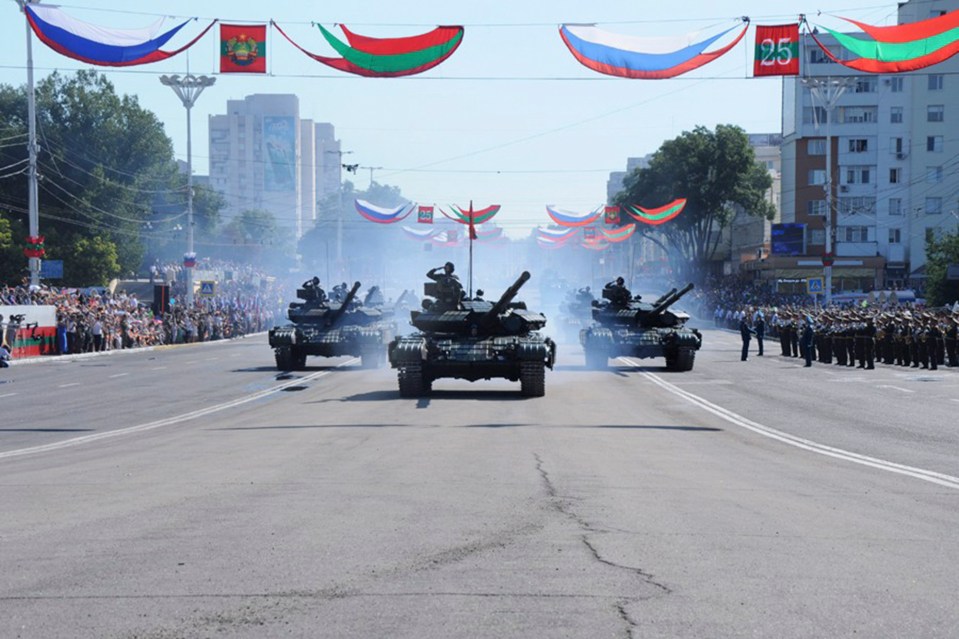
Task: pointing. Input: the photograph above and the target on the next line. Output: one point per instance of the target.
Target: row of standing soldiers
(918, 340)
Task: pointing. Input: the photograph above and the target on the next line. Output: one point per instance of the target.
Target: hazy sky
(511, 118)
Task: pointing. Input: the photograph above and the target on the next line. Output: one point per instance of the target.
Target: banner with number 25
(777, 50)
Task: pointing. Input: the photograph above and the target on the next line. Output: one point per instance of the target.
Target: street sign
(814, 286)
(207, 288)
(51, 269)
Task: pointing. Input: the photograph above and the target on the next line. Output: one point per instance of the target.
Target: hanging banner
(424, 215)
(242, 48)
(611, 214)
(777, 50)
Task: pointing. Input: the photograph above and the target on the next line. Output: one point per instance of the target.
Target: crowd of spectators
(97, 319)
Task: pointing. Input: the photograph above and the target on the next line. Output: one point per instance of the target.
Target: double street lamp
(188, 88)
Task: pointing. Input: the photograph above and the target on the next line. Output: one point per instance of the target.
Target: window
(896, 84)
(858, 174)
(895, 176)
(934, 143)
(857, 114)
(816, 56)
(935, 113)
(935, 82)
(933, 174)
(856, 205)
(933, 206)
(858, 145)
(816, 208)
(895, 147)
(817, 176)
(814, 115)
(816, 146)
(895, 114)
(895, 206)
(865, 85)
(817, 236)
(854, 233)
(895, 236)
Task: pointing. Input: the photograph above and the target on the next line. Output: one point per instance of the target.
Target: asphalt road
(194, 492)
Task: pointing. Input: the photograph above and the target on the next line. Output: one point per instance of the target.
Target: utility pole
(33, 263)
(371, 168)
(188, 89)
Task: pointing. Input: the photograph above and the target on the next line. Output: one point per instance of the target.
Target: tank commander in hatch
(616, 292)
(313, 291)
(450, 290)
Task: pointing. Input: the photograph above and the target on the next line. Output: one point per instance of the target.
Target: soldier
(933, 335)
(951, 339)
(313, 291)
(746, 332)
(869, 343)
(449, 287)
(616, 292)
(807, 340)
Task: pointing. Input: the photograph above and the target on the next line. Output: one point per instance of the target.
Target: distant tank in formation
(332, 327)
(624, 325)
(472, 339)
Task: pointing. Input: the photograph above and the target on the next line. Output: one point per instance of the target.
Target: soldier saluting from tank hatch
(450, 290)
(313, 291)
(617, 293)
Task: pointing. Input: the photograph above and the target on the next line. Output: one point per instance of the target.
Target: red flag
(777, 50)
(242, 48)
(473, 235)
(425, 215)
(612, 214)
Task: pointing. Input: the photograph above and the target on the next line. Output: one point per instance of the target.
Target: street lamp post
(33, 203)
(188, 89)
(827, 92)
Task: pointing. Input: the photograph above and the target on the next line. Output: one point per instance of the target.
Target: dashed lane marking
(7, 395)
(903, 390)
(941, 479)
(158, 368)
(86, 439)
(68, 385)
(119, 375)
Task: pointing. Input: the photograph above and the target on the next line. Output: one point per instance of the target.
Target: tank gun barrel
(671, 299)
(664, 297)
(507, 297)
(335, 316)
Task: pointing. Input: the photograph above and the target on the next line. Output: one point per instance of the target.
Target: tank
(474, 339)
(633, 328)
(326, 328)
(576, 312)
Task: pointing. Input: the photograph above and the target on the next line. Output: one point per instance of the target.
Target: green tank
(328, 328)
(626, 326)
(472, 340)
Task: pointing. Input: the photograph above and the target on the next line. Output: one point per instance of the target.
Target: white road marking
(941, 479)
(119, 375)
(904, 390)
(76, 441)
(158, 368)
(68, 385)
(7, 395)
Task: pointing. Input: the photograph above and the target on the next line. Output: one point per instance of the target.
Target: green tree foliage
(105, 163)
(94, 261)
(716, 171)
(12, 261)
(939, 255)
(255, 237)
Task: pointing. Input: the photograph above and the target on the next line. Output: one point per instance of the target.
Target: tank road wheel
(284, 358)
(597, 359)
(532, 379)
(411, 382)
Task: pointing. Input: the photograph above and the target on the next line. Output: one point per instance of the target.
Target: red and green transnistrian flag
(425, 215)
(242, 48)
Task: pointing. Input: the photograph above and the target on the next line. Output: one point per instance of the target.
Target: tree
(102, 162)
(258, 240)
(91, 261)
(939, 255)
(716, 171)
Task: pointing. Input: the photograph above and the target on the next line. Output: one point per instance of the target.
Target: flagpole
(471, 250)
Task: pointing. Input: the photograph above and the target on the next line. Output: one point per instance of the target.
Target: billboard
(279, 142)
(788, 239)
